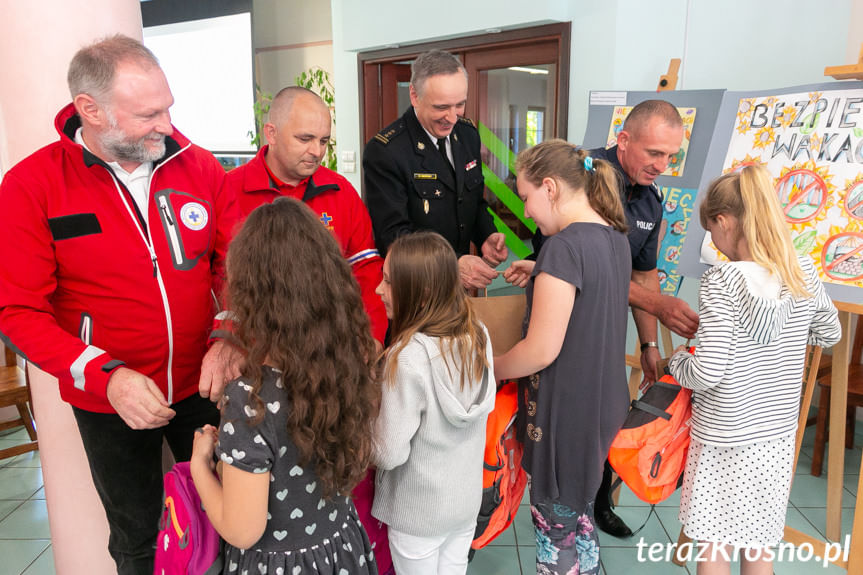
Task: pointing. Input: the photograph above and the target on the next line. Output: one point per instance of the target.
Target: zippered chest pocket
(187, 226)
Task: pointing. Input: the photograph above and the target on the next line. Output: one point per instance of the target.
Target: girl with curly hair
(296, 429)
(438, 391)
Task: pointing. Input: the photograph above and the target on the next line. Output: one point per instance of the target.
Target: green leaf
(803, 243)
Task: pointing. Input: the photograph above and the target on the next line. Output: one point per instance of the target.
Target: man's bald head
(282, 103)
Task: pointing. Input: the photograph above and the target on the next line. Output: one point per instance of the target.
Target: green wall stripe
(513, 242)
(500, 150)
(507, 196)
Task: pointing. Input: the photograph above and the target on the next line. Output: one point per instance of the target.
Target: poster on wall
(677, 163)
(676, 213)
(810, 139)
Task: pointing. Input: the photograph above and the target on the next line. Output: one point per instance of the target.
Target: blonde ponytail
(750, 197)
(766, 231)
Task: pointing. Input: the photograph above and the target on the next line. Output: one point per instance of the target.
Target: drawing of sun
(744, 114)
(814, 144)
(763, 137)
(804, 191)
(737, 165)
(814, 96)
(787, 116)
(852, 200)
(815, 254)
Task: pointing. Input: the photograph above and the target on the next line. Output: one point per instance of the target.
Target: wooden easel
(666, 82)
(838, 404)
(836, 455)
(669, 81)
(847, 72)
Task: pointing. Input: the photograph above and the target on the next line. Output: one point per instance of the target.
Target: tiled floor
(25, 541)
(25, 546)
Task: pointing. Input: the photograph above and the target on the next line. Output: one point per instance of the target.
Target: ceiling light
(528, 70)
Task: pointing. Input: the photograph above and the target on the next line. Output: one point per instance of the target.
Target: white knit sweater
(429, 442)
(747, 368)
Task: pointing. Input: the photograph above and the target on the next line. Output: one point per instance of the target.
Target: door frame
(368, 65)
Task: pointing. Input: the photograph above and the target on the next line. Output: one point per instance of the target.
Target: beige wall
(290, 36)
(37, 40)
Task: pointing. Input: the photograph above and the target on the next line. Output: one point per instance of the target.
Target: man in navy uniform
(424, 171)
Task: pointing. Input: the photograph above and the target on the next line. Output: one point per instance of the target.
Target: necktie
(441, 145)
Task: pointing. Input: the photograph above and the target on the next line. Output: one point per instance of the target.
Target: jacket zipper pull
(163, 205)
(154, 259)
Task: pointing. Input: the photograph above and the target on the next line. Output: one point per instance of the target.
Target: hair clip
(588, 164)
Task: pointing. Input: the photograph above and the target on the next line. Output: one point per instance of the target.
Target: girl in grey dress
(296, 429)
(576, 398)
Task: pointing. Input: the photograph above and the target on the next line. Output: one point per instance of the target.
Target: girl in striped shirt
(758, 311)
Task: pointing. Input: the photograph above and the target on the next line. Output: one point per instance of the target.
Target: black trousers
(126, 466)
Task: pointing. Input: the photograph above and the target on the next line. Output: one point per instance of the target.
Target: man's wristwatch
(647, 344)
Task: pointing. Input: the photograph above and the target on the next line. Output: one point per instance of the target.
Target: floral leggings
(566, 541)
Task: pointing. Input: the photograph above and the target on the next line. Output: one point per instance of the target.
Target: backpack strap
(638, 404)
(617, 483)
(651, 512)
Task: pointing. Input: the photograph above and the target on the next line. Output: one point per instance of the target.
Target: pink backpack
(187, 542)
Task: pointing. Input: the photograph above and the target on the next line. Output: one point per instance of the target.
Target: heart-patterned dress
(305, 533)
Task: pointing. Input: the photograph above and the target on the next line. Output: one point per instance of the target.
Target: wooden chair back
(15, 391)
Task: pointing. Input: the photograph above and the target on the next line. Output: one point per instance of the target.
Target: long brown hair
(564, 162)
(298, 307)
(427, 297)
(750, 197)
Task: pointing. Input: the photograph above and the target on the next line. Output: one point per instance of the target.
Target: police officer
(424, 171)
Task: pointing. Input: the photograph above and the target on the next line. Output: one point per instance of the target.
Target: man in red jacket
(112, 244)
(290, 165)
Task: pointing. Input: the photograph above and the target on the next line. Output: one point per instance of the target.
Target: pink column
(37, 40)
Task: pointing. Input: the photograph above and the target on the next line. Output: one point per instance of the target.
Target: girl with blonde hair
(758, 311)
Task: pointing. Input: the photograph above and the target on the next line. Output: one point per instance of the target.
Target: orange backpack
(503, 479)
(649, 451)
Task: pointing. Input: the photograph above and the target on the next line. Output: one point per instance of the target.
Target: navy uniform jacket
(409, 187)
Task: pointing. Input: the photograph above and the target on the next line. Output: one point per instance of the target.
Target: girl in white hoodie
(758, 311)
(437, 393)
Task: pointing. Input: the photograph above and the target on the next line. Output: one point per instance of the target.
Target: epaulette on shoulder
(467, 121)
(385, 135)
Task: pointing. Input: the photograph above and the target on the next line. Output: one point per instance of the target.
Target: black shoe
(609, 522)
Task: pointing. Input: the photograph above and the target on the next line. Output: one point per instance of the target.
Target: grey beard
(124, 150)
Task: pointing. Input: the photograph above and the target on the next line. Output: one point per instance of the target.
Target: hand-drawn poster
(812, 144)
(677, 210)
(675, 167)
